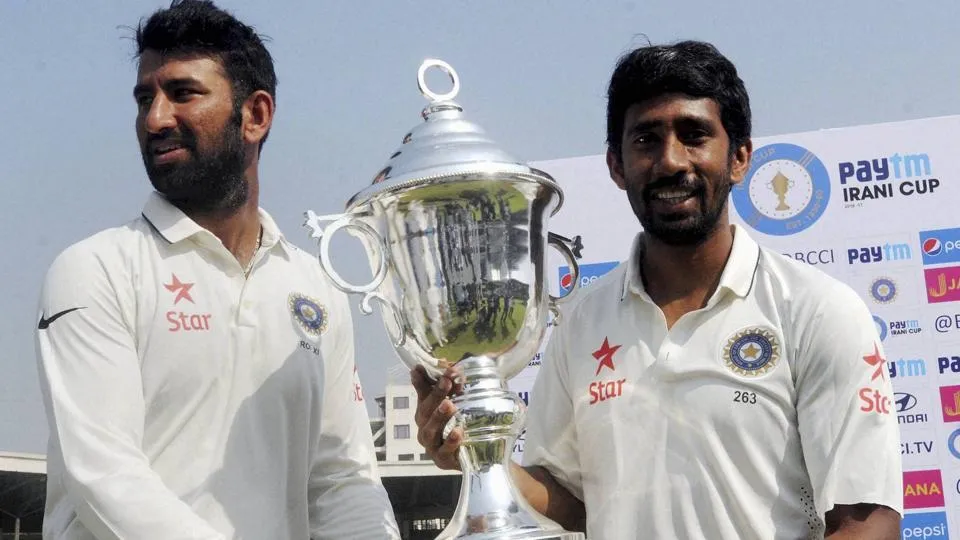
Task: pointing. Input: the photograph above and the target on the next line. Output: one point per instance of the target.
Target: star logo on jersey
(876, 360)
(605, 356)
(181, 289)
(752, 351)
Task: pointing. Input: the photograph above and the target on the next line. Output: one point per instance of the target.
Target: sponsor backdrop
(874, 206)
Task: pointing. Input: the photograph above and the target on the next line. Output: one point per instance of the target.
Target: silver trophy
(455, 230)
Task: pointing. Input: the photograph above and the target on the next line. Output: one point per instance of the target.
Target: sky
(533, 75)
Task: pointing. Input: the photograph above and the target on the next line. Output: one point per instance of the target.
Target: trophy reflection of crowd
(474, 235)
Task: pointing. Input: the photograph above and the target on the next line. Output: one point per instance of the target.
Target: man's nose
(674, 158)
(160, 116)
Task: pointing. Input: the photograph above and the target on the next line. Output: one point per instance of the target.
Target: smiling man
(733, 377)
(197, 368)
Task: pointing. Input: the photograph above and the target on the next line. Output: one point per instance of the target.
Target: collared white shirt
(749, 418)
(189, 401)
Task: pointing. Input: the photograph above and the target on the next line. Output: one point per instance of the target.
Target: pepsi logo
(932, 246)
(588, 274)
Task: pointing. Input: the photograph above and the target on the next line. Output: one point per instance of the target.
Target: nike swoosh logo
(44, 322)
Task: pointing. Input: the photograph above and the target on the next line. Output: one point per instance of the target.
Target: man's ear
(257, 113)
(740, 162)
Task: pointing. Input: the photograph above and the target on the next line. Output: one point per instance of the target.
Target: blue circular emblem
(883, 290)
(881, 327)
(752, 351)
(952, 443)
(785, 191)
(309, 313)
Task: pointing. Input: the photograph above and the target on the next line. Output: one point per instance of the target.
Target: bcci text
(885, 178)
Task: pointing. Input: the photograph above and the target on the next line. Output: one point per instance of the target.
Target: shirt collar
(175, 226)
(737, 277)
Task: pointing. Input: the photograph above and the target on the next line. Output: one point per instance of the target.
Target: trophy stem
(490, 505)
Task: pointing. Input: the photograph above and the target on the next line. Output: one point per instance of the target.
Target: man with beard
(707, 387)
(198, 369)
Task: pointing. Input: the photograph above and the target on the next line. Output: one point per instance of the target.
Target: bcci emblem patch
(309, 313)
(752, 352)
(883, 290)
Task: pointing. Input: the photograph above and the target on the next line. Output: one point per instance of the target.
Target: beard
(211, 181)
(682, 228)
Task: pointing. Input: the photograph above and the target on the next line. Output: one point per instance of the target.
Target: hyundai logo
(904, 401)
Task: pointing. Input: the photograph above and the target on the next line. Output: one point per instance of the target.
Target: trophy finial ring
(448, 69)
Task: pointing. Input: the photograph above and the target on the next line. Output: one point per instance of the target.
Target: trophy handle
(348, 221)
(560, 243)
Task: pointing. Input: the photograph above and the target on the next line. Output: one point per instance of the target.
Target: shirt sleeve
(92, 391)
(845, 408)
(551, 439)
(346, 496)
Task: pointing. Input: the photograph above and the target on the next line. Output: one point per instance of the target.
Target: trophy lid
(446, 147)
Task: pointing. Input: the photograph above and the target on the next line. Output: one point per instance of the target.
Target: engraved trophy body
(455, 230)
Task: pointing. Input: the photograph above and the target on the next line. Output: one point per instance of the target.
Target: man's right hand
(536, 484)
(434, 411)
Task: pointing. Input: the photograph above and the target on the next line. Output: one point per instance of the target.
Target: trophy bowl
(456, 233)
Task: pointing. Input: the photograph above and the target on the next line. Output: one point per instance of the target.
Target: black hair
(688, 67)
(198, 27)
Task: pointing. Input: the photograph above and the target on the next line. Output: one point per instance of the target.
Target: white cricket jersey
(748, 419)
(187, 401)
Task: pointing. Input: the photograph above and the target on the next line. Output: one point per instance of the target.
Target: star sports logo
(182, 321)
(181, 289)
(873, 400)
(875, 360)
(605, 356)
(609, 389)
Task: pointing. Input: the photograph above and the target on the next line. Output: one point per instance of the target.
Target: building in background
(423, 496)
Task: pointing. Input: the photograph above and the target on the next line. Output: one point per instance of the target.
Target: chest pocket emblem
(752, 351)
(309, 313)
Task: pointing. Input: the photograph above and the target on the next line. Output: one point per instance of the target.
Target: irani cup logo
(881, 327)
(786, 190)
(308, 312)
(752, 351)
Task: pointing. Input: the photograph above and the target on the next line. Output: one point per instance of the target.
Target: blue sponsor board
(925, 525)
(588, 274)
(940, 246)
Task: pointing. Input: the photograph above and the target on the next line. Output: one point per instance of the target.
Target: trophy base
(490, 506)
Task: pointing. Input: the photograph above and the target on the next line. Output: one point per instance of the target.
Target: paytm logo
(899, 175)
(588, 274)
(951, 363)
(940, 246)
(907, 367)
(873, 254)
(925, 526)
